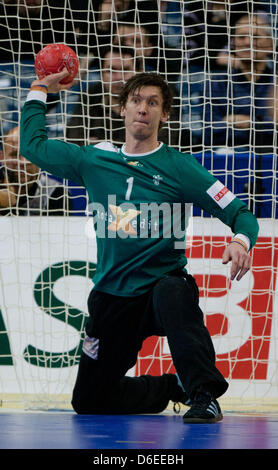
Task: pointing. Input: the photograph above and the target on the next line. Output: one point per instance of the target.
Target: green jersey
(139, 202)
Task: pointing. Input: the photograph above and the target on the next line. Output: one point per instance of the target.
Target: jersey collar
(138, 155)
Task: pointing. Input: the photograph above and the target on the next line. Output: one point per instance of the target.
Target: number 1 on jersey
(129, 187)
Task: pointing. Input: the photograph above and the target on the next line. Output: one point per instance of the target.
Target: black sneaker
(204, 409)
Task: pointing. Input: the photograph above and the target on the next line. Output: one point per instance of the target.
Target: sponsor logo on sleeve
(220, 194)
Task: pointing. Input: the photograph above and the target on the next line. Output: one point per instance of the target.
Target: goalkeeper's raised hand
(51, 83)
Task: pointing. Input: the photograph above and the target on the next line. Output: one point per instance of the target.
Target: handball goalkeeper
(141, 286)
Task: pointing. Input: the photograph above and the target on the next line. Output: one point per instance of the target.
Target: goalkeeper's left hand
(240, 258)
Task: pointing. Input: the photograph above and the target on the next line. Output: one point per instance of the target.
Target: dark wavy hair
(147, 79)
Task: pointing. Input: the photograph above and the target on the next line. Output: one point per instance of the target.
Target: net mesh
(220, 59)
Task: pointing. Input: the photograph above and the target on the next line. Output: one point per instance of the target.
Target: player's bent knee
(167, 285)
(171, 289)
(176, 299)
(85, 404)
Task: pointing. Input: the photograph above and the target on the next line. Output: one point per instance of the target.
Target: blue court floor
(66, 430)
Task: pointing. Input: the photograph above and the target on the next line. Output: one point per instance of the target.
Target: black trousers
(115, 331)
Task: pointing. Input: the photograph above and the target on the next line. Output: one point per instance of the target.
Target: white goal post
(219, 58)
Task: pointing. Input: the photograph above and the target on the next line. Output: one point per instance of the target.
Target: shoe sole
(217, 418)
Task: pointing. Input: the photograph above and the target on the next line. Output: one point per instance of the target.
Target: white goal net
(220, 60)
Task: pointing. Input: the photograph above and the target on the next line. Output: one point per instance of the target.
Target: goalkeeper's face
(143, 113)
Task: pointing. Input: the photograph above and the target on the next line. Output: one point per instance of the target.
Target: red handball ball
(53, 59)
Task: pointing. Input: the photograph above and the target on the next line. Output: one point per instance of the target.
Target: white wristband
(37, 95)
(244, 239)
